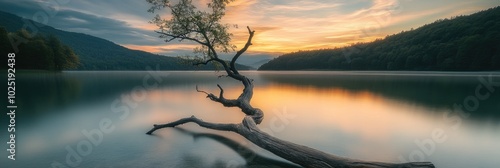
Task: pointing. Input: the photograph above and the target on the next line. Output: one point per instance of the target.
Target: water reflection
(358, 123)
(351, 114)
(42, 91)
(432, 90)
(252, 158)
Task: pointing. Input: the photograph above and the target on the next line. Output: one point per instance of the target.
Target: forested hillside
(40, 53)
(463, 43)
(100, 54)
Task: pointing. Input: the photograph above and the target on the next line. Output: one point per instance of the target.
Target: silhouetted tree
(204, 27)
(64, 57)
(4, 47)
(38, 52)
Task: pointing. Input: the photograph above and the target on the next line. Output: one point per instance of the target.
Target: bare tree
(203, 26)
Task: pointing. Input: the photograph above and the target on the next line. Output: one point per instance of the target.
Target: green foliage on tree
(38, 53)
(463, 43)
(4, 39)
(189, 23)
(64, 57)
(4, 46)
(99, 54)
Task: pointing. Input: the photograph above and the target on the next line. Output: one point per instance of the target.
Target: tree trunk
(252, 158)
(301, 155)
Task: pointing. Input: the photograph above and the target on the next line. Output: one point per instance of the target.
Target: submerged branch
(250, 156)
(188, 23)
(220, 99)
(215, 126)
(301, 155)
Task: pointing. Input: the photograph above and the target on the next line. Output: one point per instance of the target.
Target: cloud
(304, 25)
(170, 50)
(281, 25)
(78, 16)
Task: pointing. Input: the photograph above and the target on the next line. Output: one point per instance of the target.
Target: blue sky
(281, 25)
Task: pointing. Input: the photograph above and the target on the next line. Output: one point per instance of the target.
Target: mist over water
(379, 116)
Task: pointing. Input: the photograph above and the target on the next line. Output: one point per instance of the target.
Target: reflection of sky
(366, 128)
(281, 26)
(361, 124)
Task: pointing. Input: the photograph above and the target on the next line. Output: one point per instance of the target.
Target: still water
(99, 119)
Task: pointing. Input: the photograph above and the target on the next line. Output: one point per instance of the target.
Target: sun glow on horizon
(289, 26)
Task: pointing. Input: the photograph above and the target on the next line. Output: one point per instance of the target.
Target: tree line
(462, 43)
(38, 52)
(96, 53)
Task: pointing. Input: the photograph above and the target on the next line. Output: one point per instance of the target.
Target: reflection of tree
(464, 43)
(252, 158)
(40, 92)
(38, 52)
(429, 91)
(190, 160)
(204, 27)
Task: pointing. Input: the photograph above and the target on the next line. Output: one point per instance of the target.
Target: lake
(99, 119)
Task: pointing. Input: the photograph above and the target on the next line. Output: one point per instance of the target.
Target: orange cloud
(305, 25)
(161, 48)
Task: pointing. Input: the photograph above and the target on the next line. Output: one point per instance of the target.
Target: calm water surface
(379, 116)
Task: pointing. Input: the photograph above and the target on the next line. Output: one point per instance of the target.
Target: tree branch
(301, 155)
(198, 90)
(181, 37)
(215, 126)
(221, 92)
(186, 18)
(216, 58)
(203, 63)
(252, 158)
(220, 99)
(238, 54)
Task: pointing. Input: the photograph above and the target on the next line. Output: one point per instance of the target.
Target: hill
(463, 43)
(100, 54)
(36, 53)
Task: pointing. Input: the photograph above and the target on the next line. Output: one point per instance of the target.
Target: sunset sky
(281, 25)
